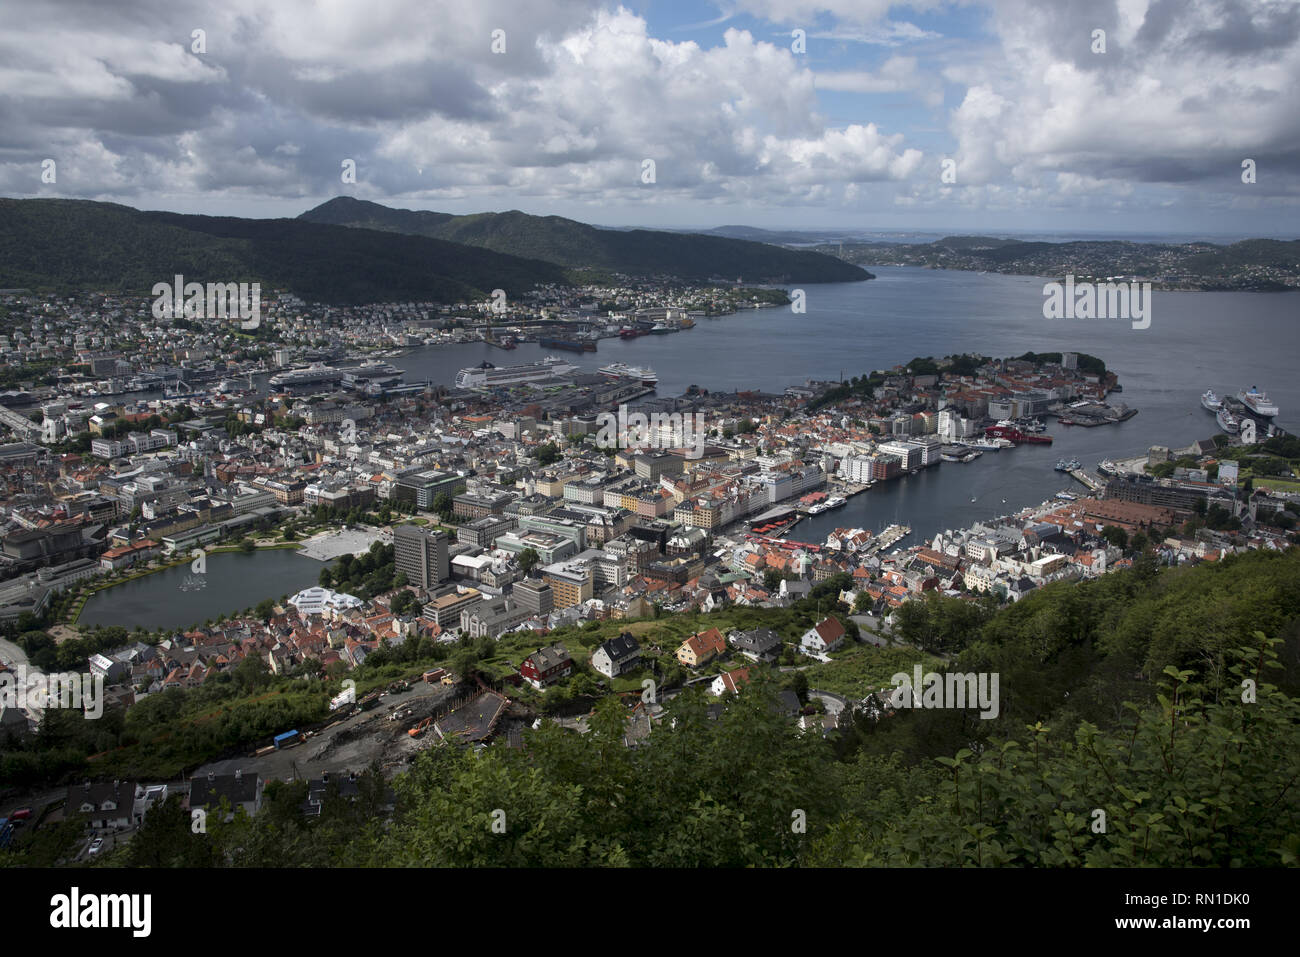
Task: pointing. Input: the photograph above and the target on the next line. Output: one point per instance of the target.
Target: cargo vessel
(569, 345)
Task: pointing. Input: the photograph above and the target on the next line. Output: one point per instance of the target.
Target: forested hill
(76, 244)
(566, 242)
(1255, 264)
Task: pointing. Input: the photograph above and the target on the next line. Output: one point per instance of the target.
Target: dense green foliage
(365, 576)
(638, 252)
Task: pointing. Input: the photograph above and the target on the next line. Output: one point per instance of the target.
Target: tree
(548, 454)
(326, 577)
(265, 609)
(799, 685)
(1116, 536)
(442, 504)
(528, 559)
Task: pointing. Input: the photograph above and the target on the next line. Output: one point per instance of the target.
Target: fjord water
(1197, 340)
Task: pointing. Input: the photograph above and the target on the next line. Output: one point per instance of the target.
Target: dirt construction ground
(353, 743)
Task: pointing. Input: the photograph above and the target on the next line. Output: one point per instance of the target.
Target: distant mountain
(783, 237)
(68, 244)
(1254, 264)
(575, 245)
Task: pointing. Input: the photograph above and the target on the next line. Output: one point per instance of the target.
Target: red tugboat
(1015, 435)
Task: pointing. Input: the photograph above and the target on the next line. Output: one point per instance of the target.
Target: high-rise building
(422, 554)
(534, 595)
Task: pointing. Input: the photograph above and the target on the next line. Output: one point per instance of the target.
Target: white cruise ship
(1211, 402)
(621, 370)
(1258, 402)
(316, 374)
(487, 375)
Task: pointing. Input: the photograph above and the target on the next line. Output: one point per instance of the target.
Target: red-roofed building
(701, 648)
(731, 681)
(827, 635)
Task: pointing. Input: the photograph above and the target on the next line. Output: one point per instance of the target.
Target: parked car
(95, 847)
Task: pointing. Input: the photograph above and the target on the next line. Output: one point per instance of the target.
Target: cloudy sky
(776, 113)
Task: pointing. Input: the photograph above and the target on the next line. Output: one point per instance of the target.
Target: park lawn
(861, 669)
(1280, 484)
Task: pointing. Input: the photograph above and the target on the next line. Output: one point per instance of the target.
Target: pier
(889, 537)
(1081, 476)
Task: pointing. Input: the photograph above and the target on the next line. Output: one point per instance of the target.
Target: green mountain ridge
(67, 244)
(575, 245)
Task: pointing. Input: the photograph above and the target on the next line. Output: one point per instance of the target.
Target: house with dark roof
(238, 790)
(546, 666)
(617, 656)
(101, 804)
(760, 644)
(14, 725)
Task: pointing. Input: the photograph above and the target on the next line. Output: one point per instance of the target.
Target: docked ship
(1014, 436)
(1228, 422)
(1108, 468)
(1068, 465)
(621, 370)
(570, 345)
(1210, 402)
(316, 374)
(1258, 402)
(986, 445)
(486, 375)
(835, 501)
(371, 376)
(958, 453)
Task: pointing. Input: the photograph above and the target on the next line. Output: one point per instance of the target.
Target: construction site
(397, 726)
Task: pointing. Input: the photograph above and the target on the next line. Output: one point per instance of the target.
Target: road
(13, 656)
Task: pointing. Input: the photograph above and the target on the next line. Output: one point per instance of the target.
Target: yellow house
(701, 648)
